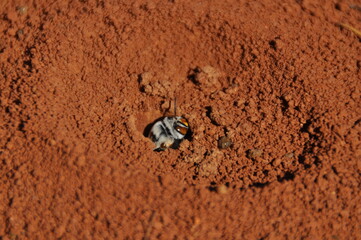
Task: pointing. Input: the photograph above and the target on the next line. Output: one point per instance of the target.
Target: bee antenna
(175, 106)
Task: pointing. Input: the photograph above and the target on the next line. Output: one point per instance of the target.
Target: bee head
(181, 125)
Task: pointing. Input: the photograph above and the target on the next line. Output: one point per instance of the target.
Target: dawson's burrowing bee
(168, 132)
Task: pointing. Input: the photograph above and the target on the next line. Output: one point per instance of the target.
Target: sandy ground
(271, 90)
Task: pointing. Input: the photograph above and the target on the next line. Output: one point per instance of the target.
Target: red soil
(81, 80)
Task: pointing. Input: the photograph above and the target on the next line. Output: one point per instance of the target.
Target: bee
(168, 132)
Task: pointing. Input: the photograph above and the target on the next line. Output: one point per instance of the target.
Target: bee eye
(181, 130)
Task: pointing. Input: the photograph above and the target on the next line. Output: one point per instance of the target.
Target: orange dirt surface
(271, 91)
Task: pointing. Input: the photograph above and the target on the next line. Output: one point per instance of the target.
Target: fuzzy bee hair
(168, 132)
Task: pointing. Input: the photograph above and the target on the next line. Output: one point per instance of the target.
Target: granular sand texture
(271, 90)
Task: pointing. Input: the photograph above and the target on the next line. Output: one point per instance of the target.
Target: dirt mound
(271, 91)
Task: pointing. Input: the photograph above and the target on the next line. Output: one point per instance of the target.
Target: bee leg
(158, 149)
(162, 147)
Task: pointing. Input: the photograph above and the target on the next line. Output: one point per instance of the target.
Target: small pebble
(276, 162)
(254, 153)
(224, 142)
(289, 155)
(222, 189)
(22, 10)
(20, 34)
